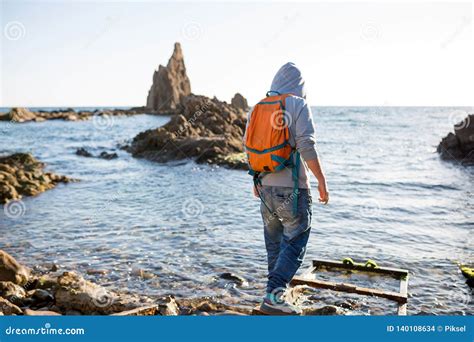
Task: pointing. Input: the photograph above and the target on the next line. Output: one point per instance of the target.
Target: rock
(460, 145)
(328, 310)
(11, 291)
(170, 84)
(240, 102)
(169, 307)
(151, 310)
(196, 306)
(141, 273)
(29, 312)
(229, 313)
(18, 114)
(96, 272)
(83, 153)
(76, 293)
(11, 270)
(23, 175)
(73, 313)
(8, 308)
(104, 155)
(206, 130)
(233, 278)
(69, 114)
(108, 156)
(41, 296)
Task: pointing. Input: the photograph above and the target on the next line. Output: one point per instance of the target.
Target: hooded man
(287, 224)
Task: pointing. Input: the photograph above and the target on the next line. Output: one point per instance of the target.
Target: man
(285, 197)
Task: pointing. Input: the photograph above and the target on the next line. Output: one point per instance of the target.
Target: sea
(174, 228)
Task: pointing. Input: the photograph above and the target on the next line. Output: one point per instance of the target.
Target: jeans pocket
(295, 223)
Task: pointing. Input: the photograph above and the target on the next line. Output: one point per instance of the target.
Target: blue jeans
(286, 234)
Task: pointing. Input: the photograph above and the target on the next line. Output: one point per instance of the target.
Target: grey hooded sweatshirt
(288, 80)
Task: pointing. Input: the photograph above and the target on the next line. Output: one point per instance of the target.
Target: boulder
(11, 270)
(459, 146)
(76, 293)
(103, 155)
(169, 307)
(11, 291)
(18, 114)
(23, 175)
(206, 130)
(170, 84)
(235, 278)
(328, 310)
(8, 309)
(83, 153)
(240, 102)
(29, 312)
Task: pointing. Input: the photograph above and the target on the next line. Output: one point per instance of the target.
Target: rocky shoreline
(46, 292)
(23, 175)
(49, 291)
(20, 115)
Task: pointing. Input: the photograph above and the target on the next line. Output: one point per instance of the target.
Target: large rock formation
(240, 102)
(207, 130)
(22, 175)
(170, 84)
(459, 146)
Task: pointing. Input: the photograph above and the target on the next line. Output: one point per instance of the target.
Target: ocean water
(182, 224)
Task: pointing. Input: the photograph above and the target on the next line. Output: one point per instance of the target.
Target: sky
(97, 53)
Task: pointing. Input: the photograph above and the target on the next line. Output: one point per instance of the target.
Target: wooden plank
(342, 287)
(402, 307)
(397, 272)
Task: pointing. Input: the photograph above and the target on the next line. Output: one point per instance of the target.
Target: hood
(288, 80)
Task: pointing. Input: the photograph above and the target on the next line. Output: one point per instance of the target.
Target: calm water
(392, 200)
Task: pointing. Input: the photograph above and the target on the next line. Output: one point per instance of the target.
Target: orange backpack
(267, 142)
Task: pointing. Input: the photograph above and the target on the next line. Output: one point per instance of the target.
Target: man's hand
(323, 193)
(315, 167)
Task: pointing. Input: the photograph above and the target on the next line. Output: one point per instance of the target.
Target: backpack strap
(296, 173)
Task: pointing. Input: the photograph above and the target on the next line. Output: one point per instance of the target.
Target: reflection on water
(172, 228)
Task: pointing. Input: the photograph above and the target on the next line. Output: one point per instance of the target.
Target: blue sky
(67, 53)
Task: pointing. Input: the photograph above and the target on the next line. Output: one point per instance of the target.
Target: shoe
(278, 307)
